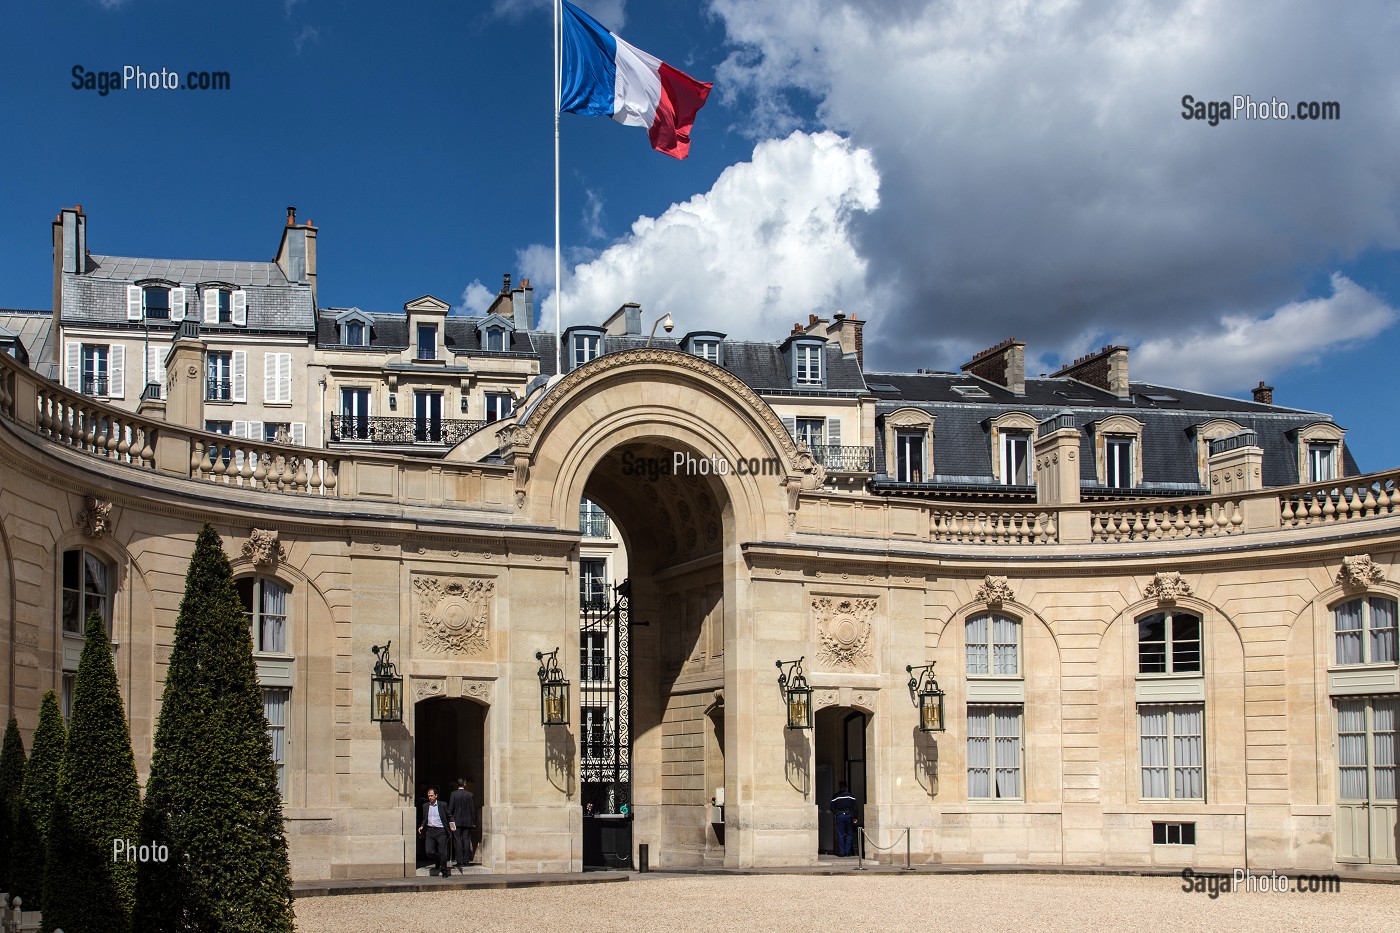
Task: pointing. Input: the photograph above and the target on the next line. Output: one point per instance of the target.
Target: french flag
(604, 76)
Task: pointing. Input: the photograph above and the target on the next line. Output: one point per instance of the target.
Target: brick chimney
(1107, 369)
(296, 254)
(1263, 394)
(849, 332)
(1004, 364)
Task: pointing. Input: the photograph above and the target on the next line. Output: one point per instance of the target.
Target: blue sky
(955, 173)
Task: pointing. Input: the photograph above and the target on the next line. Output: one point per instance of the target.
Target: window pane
(275, 700)
(1351, 749)
(1152, 644)
(1347, 618)
(1005, 637)
(1383, 721)
(977, 645)
(1008, 738)
(1186, 644)
(1152, 726)
(273, 625)
(1382, 630)
(1188, 751)
(72, 561)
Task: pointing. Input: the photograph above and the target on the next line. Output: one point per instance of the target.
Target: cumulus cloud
(1226, 356)
(769, 242)
(1040, 181)
(476, 298)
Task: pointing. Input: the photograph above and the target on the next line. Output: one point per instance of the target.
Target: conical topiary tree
(11, 783)
(212, 795)
(36, 803)
(97, 802)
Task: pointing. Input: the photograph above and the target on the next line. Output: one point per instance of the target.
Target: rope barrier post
(907, 866)
(860, 859)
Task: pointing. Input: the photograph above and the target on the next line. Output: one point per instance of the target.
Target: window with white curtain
(265, 605)
(85, 590)
(994, 752)
(1365, 630)
(1366, 747)
(1172, 739)
(276, 701)
(993, 645)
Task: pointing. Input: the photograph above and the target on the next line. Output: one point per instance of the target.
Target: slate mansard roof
(98, 294)
(962, 453)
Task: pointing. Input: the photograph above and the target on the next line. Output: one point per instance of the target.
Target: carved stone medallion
(454, 615)
(994, 591)
(263, 547)
(1167, 587)
(1359, 571)
(95, 517)
(844, 632)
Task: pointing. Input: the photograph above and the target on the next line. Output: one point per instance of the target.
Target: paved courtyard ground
(877, 902)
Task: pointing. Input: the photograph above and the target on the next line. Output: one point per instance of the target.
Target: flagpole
(558, 281)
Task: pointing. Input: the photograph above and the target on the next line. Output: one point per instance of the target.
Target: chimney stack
(296, 254)
(1263, 394)
(1004, 364)
(1106, 369)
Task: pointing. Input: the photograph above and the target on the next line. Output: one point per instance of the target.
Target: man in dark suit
(461, 807)
(843, 807)
(433, 827)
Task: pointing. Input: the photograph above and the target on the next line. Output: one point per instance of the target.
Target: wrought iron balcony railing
(218, 390)
(366, 429)
(593, 524)
(845, 459)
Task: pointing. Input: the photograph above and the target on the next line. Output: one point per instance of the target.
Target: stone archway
(449, 742)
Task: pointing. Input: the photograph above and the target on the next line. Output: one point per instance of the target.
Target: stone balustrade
(972, 525)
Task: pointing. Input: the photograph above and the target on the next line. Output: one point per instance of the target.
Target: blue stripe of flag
(588, 74)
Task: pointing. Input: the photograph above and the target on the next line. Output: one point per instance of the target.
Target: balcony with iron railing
(218, 390)
(844, 459)
(372, 429)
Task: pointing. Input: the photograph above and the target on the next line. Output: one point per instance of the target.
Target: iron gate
(605, 739)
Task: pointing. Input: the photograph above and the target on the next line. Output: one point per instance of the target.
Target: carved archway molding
(454, 687)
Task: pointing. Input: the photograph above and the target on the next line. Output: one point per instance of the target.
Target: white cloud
(1039, 180)
(768, 243)
(593, 214)
(1227, 357)
(112, 4)
(476, 298)
(306, 34)
(611, 13)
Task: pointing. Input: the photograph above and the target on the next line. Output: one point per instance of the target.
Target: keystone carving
(95, 517)
(1167, 587)
(454, 616)
(843, 632)
(422, 689)
(263, 548)
(994, 591)
(1359, 571)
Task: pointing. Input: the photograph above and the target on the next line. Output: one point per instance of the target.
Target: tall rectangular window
(265, 606)
(155, 302)
(708, 350)
(586, 347)
(498, 406)
(994, 752)
(275, 703)
(85, 590)
(427, 417)
(592, 581)
(593, 731)
(218, 376)
(1014, 447)
(593, 650)
(1118, 462)
(1365, 631)
(909, 456)
(1322, 462)
(1169, 643)
(812, 432)
(993, 645)
(354, 413)
(496, 339)
(592, 520)
(809, 364)
(70, 680)
(427, 342)
(95, 370)
(1172, 742)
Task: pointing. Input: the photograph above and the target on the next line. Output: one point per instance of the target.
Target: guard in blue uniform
(843, 808)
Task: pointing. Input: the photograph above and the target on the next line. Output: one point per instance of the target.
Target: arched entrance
(839, 753)
(449, 742)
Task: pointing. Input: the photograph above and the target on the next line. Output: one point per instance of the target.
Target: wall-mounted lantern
(796, 693)
(927, 698)
(554, 690)
(385, 687)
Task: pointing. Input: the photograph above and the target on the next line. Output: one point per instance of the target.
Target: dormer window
(708, 350)
(427, 342)
(155, 303)
(1118, 462)
(495, 339)
(807, 364)
(225, 305)
(1322, 462)
(354, 334)
(587, 347)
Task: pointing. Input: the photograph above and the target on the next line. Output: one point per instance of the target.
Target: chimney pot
(811, 319)
(291, 216)
(505, 287)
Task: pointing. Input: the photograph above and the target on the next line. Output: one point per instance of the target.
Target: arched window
(355, 334)
(495, 338)
(265, 604)
(1169, 643)
(993, 645)
(1365, 630)
(86, 589)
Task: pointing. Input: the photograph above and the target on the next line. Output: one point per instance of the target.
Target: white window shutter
(833, 432)
(155, 372)
(239, 375)
(73, 364)
(299, 433)
(116, 371)
(211, 306)
(269, 377)
(133, 303)
(284, 377)
(791, 425)
(255, 431)
(177, 305)
(240, 308)
(240, 429)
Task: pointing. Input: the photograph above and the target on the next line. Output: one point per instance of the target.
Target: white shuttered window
(277, 378)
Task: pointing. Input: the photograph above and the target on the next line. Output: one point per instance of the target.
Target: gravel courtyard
(922, 902)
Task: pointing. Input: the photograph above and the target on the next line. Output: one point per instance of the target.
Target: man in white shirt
(433, 827)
